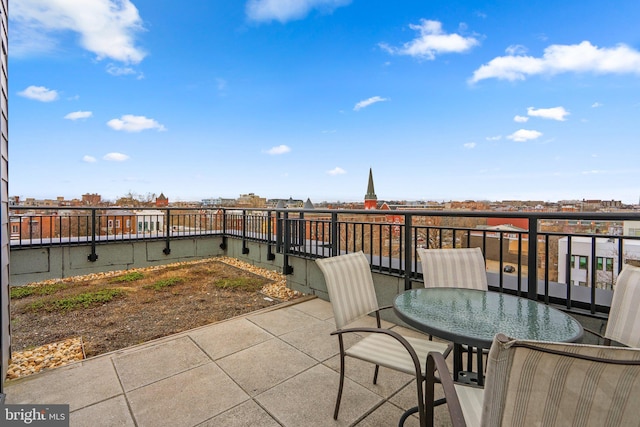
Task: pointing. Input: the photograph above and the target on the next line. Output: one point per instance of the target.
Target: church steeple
(370, 199)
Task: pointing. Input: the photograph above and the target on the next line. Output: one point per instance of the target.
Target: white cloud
(116, 157)
(494, 138)
(131, 123)
(78, 115)
(556, 59)
(337, 171)
(431, 42)
(521, 119)
(106, 27)
(115, 70)
(365, 103)
(470, 145)
(89, 159)
(280, 149)
(516, 49)
(524, 135)
(39, 93)
(288, 10)
(596, 105)
(555, 113)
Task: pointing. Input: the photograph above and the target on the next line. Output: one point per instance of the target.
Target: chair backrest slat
(453, 268)
(624, 317)
(350, 286)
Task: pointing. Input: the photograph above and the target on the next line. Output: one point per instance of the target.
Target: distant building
(370, 199)
(218, 202)
(606, 262)
(162, 201)
(251, 200)
(285, 203)
(150, 221)
(91, 199)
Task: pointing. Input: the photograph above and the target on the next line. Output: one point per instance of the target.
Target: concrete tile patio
(275, 367)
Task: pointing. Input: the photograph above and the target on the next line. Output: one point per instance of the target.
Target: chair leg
(421, 403)
(335, 412)
(375, 375)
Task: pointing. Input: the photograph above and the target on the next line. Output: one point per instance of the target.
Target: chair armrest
(402, 340)
(436, 362)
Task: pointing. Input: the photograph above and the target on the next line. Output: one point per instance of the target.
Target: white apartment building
(606, 264)
(150, 221)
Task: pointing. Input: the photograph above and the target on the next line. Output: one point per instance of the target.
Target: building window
(603, 263)
(581, 283)
(117, 223)
(584, 261)
(15, 228)
(573, 261)
(128, 223)
(110, 223)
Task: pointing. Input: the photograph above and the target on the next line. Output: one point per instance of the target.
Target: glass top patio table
(474, 317)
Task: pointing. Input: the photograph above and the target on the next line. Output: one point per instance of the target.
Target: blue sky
(444, 100)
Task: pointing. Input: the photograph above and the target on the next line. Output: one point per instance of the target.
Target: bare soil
(161, 302)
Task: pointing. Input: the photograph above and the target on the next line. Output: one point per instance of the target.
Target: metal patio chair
(352, 295)
(623, 325)
(454, 268)
(545, 384)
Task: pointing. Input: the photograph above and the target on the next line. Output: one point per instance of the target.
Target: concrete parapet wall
(34, 265)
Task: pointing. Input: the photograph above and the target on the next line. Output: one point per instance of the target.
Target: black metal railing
(540, 259)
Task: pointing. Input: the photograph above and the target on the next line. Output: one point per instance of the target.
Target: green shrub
(161, 284)
(18, 292)
(240, 283)
(86, 300)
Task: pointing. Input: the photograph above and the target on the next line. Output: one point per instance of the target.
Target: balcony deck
(274, 367)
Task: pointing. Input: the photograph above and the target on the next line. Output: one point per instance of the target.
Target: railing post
(167, 220)
(245, 249)
(334, 234)
(223, 245)
(408, 251)
(93, 256)
(279, 232)
(302, 235)
(532, 276)
(270, 255)
(286, 268)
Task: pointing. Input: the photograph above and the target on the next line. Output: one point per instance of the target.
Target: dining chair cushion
(453, 268)
(624, 317)
(350, 286)
(388, 352)
(471, 403)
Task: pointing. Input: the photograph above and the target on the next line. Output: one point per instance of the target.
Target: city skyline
(457, 101)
